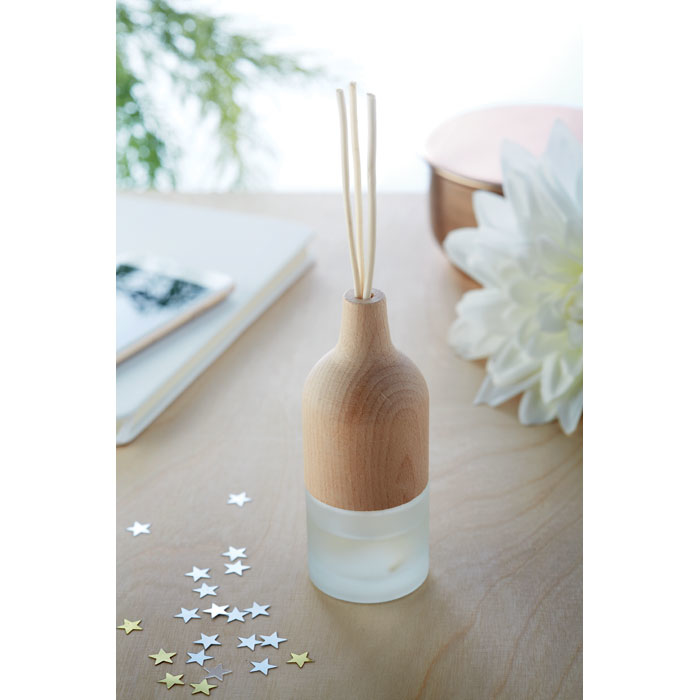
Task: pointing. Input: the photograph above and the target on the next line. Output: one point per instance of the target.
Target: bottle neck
(364, 326)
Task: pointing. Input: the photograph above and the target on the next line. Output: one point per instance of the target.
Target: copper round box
(464, 155)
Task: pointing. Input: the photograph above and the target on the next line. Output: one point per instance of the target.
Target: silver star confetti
(271, 640)
(249, 642)
(234, 553)
(238, 499)
(207, 641)
(238, 568)
(199, 658)
(204, 589)
(215, 610)
(263, 666)
(196, 573)
(236, 614)
(187, 615)
(256, 610)
(139, 529)
(217, 672)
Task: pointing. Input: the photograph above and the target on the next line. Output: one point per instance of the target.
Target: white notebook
(263, 256)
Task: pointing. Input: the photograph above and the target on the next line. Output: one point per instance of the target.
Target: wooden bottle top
(365, 416)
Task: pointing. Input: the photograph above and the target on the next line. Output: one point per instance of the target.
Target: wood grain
(365, 416)
(500, 613)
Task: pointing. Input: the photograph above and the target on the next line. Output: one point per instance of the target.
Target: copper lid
(469, 145)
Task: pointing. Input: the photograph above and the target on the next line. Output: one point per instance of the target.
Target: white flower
(527, 252)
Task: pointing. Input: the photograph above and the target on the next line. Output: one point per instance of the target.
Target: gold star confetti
(130, 626)
(300, 659)
(162, 656)
(171, 680)
(202, 687)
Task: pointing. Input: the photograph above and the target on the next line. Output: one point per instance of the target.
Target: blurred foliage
(204, 59)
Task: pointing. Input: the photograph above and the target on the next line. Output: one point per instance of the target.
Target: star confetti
(236, 614)
(216, 610)
(130, 626)
(162, 657)
(138, 529)
(196, 573)
(187, 615)
(300, 659)
(217, 672)
(199, 658)
(256, 610)
(205, 590)
(238, 498)
(263, 666)
(249, 642)
(234, 553)
(207, 641)
(171, 680)
(271, 640)
(238, 568)
(202, 687)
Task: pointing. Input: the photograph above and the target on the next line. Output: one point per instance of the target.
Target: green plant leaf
(204, 59)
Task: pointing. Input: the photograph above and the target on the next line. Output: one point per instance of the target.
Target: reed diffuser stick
(358, 181)
(357, 280)
(368, 273)
(362, 268)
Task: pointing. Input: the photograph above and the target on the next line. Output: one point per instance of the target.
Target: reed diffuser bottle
(365, 429)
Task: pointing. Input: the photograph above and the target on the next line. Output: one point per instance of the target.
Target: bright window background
(425, 62)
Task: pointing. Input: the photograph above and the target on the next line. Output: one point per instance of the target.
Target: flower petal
(541, 344)
(510, 365)
(573, 361)
(517, 189)
(575, 333)
(471, 340)
(488, 305)
(564, 157)
(494, 395)
(516, 160)
(576, 301)
(525, 291)
(555, 379)
(569, 411)
(556, 261)
(482, 253)
(479, 329)
(551, 316)
(494, 211)
(461, 246)
(533, 411)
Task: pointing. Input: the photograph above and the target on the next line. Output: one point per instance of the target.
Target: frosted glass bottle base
(368, 556)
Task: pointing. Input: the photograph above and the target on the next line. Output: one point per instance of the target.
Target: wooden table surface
(500, 615)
